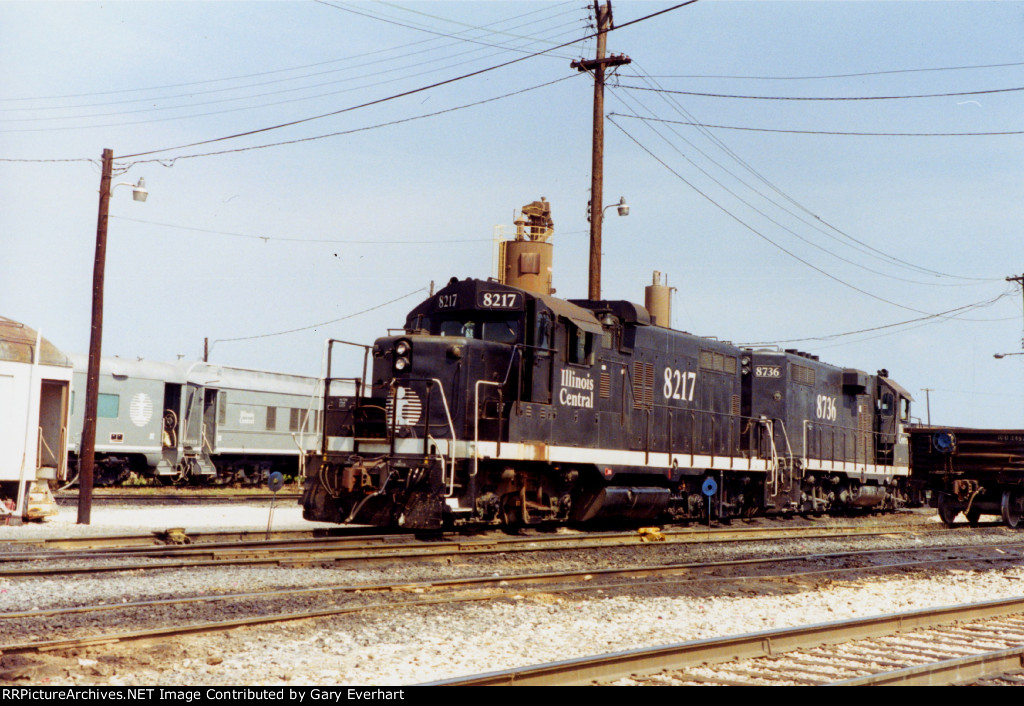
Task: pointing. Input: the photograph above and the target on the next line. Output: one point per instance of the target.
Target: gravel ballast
(414, 645)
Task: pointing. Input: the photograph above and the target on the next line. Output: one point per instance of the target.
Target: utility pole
(928, 402)
(87, 452)
(603, 16)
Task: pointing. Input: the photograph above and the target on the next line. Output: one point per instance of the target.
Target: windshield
(505, 331)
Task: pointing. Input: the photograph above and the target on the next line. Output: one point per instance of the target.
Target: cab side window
(580, 346)
(542, 331)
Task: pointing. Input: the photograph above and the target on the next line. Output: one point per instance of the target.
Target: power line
(847, 75)
(314, 241)
(347, 67)
(405, 75)
(818, 223)
(824, 132)
(758, 233)
(323, 323)
(825, 98)
(171, 161)
(946, 315)
(403, 93)
(448, 35)
(311, 241)
(775, 222)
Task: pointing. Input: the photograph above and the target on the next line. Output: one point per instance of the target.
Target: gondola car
(502, 403)
(197, 422)
(35, 382)
(973, 471)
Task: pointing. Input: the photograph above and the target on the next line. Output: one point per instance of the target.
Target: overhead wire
(824, 98)
(994, 133)
(322, 323)
(760, 234)
(376, 16)
(405, 75)
(817, 223)
(319, 241)
(789, 230)
(402, 94)
(858, 74)
(170, 161)
(774, 221)
(310, 241)
(949, 314)
(347, 67)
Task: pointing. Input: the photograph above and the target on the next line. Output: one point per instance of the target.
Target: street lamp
(623, 207)
(87, 451)
(1005, 355)
(139, 192)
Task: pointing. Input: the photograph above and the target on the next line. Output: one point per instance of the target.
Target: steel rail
(582, 581)
(199, 540)
(618, 665)
(961, 670)
(215, 626)
(181, 499)
(292, 554)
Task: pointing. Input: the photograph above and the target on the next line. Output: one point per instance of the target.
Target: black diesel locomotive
(501, 404)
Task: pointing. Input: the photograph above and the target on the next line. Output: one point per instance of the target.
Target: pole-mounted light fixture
(623, 207)
(139, 192)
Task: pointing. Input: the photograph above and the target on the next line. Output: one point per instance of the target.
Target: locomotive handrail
(451, 427)
(476, 423)
(330, 355)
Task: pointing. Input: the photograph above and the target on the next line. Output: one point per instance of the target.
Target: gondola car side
(974, 471)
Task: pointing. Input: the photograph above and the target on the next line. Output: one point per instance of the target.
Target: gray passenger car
(194, 421)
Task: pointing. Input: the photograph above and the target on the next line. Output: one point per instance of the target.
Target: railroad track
(668, 535)
(138, 553)
(199, 498)
(956, 644)
(272, 606)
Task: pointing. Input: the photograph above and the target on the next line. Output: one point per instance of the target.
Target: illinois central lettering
(576, 391)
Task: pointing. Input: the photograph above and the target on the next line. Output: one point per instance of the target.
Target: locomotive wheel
(947, 510)
(1011, 509)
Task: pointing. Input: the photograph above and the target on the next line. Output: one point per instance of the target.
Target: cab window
(457, 328)
(542, 331)
(500, 331)
(580, 346)
(496, 331)
(886, 405)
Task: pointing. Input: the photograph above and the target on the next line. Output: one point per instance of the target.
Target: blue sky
(770, 235)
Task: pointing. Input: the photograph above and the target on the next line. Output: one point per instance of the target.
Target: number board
(446, 301)
(499, 300)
